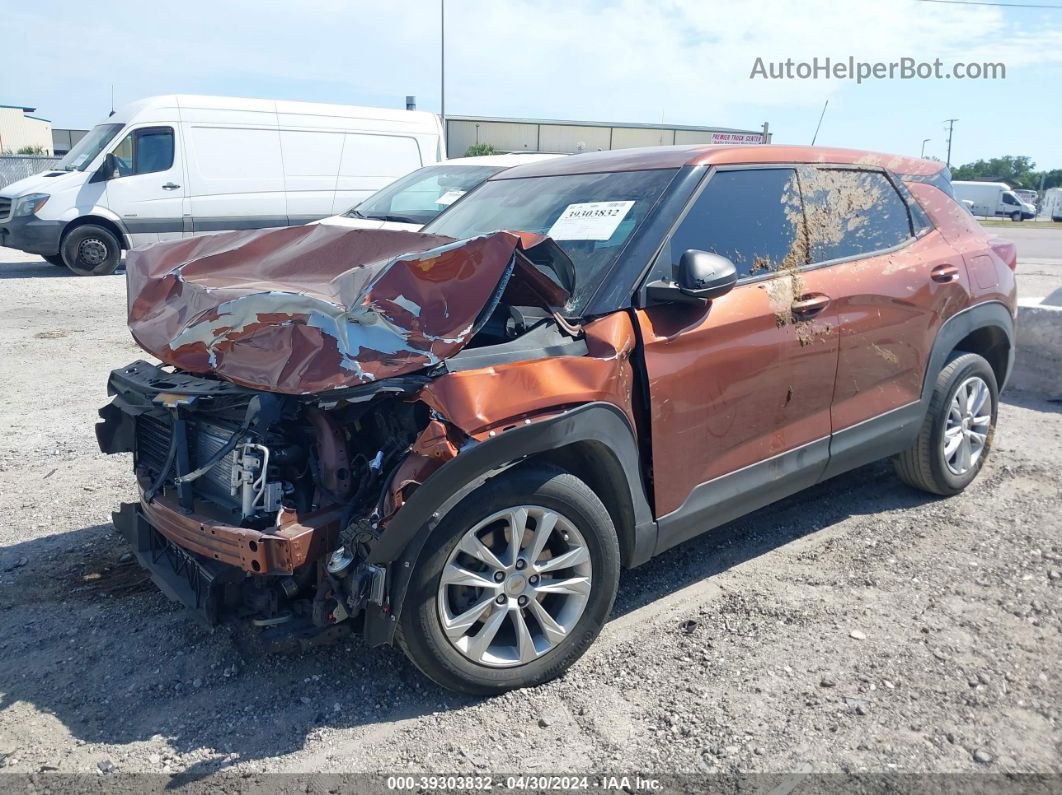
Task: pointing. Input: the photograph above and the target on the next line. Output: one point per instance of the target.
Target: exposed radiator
(153, 442)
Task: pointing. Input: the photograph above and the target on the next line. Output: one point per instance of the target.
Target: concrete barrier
(1038, 366)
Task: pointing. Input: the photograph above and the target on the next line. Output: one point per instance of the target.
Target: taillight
(1005, 250)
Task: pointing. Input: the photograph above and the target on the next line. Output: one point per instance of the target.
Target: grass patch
(1021, 224)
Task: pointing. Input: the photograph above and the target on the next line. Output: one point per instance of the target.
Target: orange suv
(454, 439)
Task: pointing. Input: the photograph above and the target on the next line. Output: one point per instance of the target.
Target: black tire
(91, 250)
(420, 631)
(1015, 216)
(923, 465)
(55, 259)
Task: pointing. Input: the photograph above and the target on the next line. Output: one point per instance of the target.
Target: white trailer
(1052, 204)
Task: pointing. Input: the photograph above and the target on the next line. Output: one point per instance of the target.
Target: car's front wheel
(957, 432)
(517, 582)
(1015, 216)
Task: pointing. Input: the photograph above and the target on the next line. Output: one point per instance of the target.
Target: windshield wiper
(355, 213)
(401, 219)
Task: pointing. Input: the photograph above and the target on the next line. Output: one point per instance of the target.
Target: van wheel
(957, 432)
(519, 581)
(1015, 216)
(91, 250)
(55, 259)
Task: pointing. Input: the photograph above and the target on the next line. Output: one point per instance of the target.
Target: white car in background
(415, 199)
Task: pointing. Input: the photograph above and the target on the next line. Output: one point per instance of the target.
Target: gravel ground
(859, 626)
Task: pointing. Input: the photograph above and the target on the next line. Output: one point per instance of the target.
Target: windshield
(590, 216)
(418, 197)
(85, 150)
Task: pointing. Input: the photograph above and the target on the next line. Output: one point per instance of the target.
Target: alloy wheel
(968, 424)
(515, 586)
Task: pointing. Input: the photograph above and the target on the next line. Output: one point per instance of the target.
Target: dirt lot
(860, 626)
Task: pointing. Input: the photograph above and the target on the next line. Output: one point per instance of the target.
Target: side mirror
(108, 169)
(701, 276)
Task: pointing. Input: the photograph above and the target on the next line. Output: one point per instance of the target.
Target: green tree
(1015, 170)
(1052, 178)
(480, 149)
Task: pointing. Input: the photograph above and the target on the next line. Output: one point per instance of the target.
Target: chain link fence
(16, 167)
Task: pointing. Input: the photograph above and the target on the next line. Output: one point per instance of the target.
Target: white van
(172, 166)
(993, 199)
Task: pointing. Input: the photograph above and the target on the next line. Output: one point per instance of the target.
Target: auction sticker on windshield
(589, 220)
(450, 197)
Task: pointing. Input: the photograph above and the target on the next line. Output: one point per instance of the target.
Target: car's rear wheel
(91, 250)
(519, 581)
(956, 435)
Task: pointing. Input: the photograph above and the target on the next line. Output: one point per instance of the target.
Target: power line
(817, 126)
(998, 5)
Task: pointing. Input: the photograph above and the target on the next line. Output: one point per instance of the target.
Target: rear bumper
(31, 234)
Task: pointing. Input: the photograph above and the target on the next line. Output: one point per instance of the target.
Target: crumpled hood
(300, 310)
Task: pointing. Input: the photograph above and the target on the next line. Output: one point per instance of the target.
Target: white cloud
(627, 60)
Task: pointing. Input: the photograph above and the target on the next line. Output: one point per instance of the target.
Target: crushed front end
(249, 500)
(313, 379)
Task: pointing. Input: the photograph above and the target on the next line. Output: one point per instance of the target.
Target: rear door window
(752, 217)
(852, 213)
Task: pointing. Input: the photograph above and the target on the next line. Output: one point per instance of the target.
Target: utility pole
(442, 63)
(951, 125)
(924, 142)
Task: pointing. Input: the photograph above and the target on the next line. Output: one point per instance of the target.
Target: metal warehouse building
(18, 130)
(552, 135)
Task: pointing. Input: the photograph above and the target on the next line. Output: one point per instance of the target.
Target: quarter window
(852, 213)
(751, 217)
(145, 151)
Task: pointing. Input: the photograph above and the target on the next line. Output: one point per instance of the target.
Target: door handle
(944, 273)
(809, 305)
(170, 186)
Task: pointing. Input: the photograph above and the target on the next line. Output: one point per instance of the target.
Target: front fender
(402, 540)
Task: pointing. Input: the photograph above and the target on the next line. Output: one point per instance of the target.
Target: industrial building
(569, 137)
(21, 131)
(63, 140)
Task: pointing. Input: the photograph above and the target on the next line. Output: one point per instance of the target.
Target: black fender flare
(401, 542)
(990, 314)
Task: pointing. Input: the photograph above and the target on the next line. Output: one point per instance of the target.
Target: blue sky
(684, 61)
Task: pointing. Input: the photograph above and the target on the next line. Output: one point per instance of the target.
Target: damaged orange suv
(454, 439)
